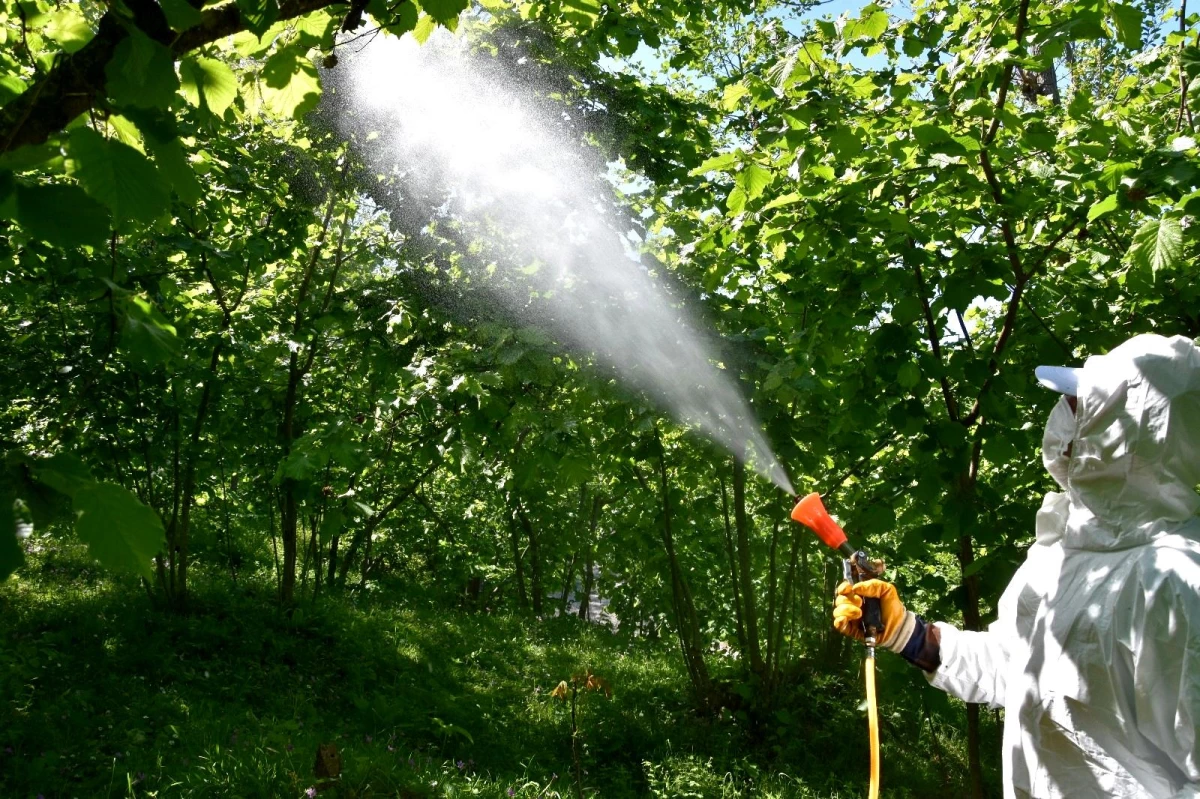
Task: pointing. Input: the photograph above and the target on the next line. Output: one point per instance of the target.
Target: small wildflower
(391, 748)
(367, 738)
(311, 793)
(410, 761)
(511, 792)
(461, 765)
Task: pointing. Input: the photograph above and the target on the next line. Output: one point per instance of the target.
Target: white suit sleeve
(1166, 675)
(974, 665)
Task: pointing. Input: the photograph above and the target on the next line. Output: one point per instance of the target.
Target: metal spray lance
(856, 566)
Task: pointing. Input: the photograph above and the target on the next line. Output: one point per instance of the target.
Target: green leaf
(173, 164)
(1107, 205)
(69, 29)
(259, 15)
(290, 85)
(736, 202)
(732, 94)
(445, 12)
(10, 87)
(146, 333)
(66, 474)
(1158, 244)
(873, 26)
(937, 139)
(141, 73)
(1110, 176)
(121, 532)
(403, 20)
(39, 212)
(207, 83)
(424, 28)
(754, 180)
(180, 14)
(118, 176)
(1128, 23)
(908, 375)
(331, 525)
(782, 200)
(718, 163)
(583, 14)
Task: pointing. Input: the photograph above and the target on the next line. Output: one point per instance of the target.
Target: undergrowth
(105, 695)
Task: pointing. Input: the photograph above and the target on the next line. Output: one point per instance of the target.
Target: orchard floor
(104, 695)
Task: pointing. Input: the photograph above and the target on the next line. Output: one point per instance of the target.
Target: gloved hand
(898, 623)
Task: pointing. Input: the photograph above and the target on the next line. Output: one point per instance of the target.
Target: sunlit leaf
(1158, 244)
(207, 83)
(290, 87)
(1128, 22)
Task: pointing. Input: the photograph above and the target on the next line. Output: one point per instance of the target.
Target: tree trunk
(746, 567)
(686, 621)
(772, 604)
(589, 562)
(518, 565)
(535, 564)
(966, 556)
(743, 646)
(806, 575)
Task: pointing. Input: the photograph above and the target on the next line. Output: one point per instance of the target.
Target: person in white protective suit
(1095, 654)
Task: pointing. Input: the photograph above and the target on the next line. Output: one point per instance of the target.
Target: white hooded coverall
(1095, 654)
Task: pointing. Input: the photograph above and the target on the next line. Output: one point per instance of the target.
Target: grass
(106, 696)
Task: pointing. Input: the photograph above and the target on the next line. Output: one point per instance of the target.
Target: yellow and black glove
(898, 623)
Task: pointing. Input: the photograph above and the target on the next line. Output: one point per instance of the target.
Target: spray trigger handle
(859, 567)
(872, 618)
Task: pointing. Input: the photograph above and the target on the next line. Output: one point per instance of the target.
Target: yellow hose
(872, 722)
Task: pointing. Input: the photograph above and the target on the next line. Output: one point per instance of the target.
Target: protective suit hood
(1135, 461)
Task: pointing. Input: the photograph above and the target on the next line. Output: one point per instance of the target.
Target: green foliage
(208, 83)
(39, 212)
(142, 73)
(118, 176)
(121, 533)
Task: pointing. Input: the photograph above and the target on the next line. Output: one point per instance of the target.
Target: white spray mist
(449, 123)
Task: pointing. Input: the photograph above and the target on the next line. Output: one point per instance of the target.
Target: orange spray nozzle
(810, 512)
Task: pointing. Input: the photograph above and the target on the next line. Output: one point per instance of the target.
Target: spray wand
(856, 566)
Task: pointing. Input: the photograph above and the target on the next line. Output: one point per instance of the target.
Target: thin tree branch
(1006, 79)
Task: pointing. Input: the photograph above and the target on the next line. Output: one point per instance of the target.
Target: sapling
(580, 681)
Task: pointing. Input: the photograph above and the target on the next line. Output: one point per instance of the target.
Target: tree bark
(518, 565)
(746, 567)
(686, 621)
(743, 647)
(589, 562)
(535, 565)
